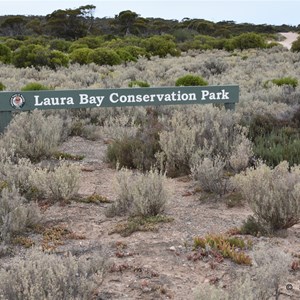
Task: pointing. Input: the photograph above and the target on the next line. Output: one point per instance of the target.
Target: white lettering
(204, 94)
(111, 98)
(84, 98)
(37, 103)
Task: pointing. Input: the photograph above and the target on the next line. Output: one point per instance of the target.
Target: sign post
(67, 99)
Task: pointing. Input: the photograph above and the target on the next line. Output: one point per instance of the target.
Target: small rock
(172, 248)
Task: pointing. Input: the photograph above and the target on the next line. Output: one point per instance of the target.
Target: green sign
(65, 99)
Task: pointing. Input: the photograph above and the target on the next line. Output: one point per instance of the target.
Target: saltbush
(39, 275)
(140, 194)
(272, 194)
(16, 172)
(15, 214)
(209, 174)
(61, 183)
(208, 130)
(33, 135)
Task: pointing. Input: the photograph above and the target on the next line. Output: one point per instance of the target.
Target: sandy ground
(290, 37)
(155, 264)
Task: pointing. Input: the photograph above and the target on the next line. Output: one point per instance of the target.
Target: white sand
(290, 37)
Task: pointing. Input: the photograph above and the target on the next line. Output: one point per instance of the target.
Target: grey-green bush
(15, 214)
(51, 277)
(139, 194)
(272, 194)
(33, 135)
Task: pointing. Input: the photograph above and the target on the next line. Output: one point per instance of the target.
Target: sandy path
(290, 37)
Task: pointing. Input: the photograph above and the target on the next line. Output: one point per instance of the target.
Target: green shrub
(5, 54)
(58, 59)
(272, 194)
(125, 55)
(296, 45)
(293, 82)
(34, 135)
(103, 56)
(60, 45)
(275, 140)
(139, 194)
(160, 46)
(249, 40)
(15, 214)
(2, 86)
(13, 44)
(39, 275)
(138, 83)
(80, 56)
(191, 80)
(31, 56)
(34, 86)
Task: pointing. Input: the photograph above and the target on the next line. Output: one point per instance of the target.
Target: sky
(272, 12)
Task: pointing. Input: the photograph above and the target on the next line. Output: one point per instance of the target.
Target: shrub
(138, 83)
(48, 276)
(61, 183)
(272, 194)
(80, 56)
(160, 46)
(275, 140)
(34, 86)
(2, 86)
(33, 135)
(139, 194)
(16, 172)
(137, 151)
(249, 40)
(103, 56)
(190, 80)
(269, 274)
(5, 54)
(209, 174)
(296, 45)
(58, 59)
(206, 129)
(15, 214)
(31, 55)
(293, 82)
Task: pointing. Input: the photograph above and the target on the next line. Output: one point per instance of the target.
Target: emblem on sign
(17, 101)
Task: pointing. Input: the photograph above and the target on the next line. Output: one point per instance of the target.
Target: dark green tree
(70, 23)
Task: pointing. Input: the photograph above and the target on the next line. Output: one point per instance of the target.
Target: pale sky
(273, 12)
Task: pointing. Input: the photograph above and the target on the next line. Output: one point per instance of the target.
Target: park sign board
(88, 98)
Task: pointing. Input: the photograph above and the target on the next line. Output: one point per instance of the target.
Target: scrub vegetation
(250, 154)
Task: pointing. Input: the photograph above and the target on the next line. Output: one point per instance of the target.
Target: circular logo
(17, 101)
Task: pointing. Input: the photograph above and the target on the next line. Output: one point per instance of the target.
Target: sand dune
(290, 37)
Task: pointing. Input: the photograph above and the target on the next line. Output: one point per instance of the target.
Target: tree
(71, 23)
(128, 22)
(13, 26)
